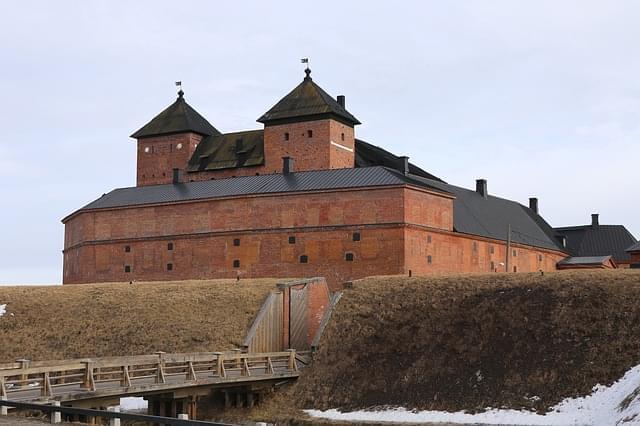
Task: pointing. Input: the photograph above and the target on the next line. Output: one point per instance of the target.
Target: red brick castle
(301, 197)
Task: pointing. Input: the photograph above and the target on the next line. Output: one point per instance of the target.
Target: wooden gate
(298, 323)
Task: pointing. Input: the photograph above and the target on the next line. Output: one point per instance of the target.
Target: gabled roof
(178, 117)
(306, 101)
(635, 247)
(228, 151)
(218, 152)
(587, 261)
(370, 155)
(472, 213)
(251, 185)
(598, 240)
(491, 216)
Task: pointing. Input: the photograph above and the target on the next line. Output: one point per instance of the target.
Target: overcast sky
(542, 98)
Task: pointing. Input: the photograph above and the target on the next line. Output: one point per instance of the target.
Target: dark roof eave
(215, 169)
(138, 135)
(308, 117)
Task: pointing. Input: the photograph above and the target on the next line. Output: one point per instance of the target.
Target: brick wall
(265, 254)
(344, 235)
(429, 251)
(310, 152)
(635, 257)
(159, 155)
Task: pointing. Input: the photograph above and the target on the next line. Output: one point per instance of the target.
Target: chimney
(176, 176)
(287, 165)
(595, 222)
(340, 100)
(481, 187)
(404, 164)
(533, 204)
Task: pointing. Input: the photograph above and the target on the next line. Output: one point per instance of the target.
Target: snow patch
(3, 309)
(133, 404)
(618, 404)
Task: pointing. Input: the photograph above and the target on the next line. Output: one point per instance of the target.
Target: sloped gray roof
(249, 185)
(599, 240)
(472, 213)
(228, 151)
(585, 260)
(307, 99)
(635, 247)
(217, 152)
(368, 155)
(176, 118)
(491, 216)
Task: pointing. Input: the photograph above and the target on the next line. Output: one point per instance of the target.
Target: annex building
(300, 197)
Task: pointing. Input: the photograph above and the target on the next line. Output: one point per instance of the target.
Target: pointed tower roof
(306, 101)
(178, 117)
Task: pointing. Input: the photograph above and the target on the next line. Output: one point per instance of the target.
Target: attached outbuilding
(588, 262)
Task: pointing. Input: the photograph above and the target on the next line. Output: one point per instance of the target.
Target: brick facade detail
(159, 155)
(314, 145)
(341, 235)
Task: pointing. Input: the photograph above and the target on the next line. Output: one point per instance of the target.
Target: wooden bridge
(168, 381)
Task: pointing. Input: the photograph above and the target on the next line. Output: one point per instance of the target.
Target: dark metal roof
(249, 185)
(598, 240)
(230, 150)
(219, 152)
(473, 214)
(491, 216)
(585, 260)
(370, 155)
(635, 247)
(307, 99)
(176, 118)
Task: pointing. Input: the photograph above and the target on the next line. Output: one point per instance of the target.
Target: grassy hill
(125, 319)
(473, 341)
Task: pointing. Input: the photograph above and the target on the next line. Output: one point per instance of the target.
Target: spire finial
(180, 92)
(307, 71)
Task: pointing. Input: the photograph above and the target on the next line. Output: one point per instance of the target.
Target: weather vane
(179, 86)
(307, 71)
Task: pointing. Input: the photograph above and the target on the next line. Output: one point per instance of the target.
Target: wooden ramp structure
(171, 383)
(293, 316)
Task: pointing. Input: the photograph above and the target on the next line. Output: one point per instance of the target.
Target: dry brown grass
(75, 321)
(472, 341)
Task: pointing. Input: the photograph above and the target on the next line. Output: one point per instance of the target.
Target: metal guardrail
(50, 409)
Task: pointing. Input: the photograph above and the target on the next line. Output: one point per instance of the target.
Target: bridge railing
(90, 375)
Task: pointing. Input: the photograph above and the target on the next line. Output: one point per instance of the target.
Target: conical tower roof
(179, 117)
(307, 100)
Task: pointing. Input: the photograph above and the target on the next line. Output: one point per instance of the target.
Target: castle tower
(311, 127)
(168, 141)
